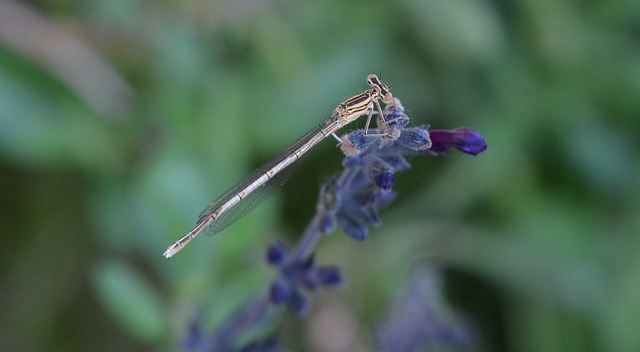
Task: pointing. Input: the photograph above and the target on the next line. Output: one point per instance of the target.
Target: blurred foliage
(120, 119)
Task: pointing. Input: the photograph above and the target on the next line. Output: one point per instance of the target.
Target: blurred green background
(121, 119)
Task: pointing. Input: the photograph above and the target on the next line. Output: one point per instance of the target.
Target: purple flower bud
(379, 171)
(384, 180)
(355, 142)
(280, 291)
(414, 138)
(276, 254)
(466, 140)
(329, 276)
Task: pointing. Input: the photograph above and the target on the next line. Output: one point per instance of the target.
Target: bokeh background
(121, 119)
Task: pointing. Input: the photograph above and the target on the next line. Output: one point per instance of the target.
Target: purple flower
(296, 274)
(420, 319)
(372, 161)
(466, 140)
(276, 254)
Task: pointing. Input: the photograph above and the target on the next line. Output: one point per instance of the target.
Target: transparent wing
(253, 200)
(247, 204)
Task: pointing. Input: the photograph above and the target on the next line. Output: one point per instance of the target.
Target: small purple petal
(329, 276)
(352, 228)
(298, 304)
(466, 140)
(280, 291)
(384, 180)
(276, 254)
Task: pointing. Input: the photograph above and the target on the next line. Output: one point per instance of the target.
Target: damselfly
(248, 193)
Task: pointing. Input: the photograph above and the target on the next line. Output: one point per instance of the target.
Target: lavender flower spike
(352, 200)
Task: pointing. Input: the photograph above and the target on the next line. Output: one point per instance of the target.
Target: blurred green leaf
(131, 300)
(458, 31)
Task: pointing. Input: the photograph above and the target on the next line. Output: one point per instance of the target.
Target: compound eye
(373, 80)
